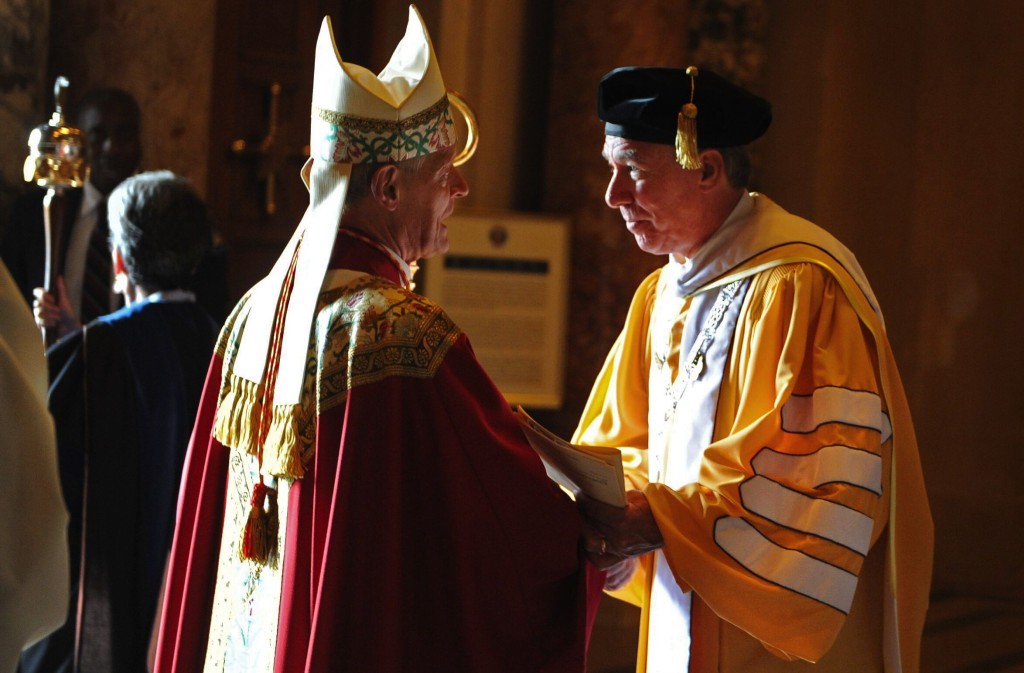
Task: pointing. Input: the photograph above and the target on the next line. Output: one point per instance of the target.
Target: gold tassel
(282, 448)
(237, 414)
(259, 535)
(687, 154)
(686, 138)
(273, 523)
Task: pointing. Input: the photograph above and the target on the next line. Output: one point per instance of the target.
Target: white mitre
(357, 117)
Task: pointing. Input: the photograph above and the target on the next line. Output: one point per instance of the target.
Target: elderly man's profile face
(112, 143)
(427, 199)
(657, 199)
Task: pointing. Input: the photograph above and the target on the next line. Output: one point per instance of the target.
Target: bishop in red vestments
(358, 495)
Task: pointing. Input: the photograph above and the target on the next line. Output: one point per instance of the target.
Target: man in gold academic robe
(779, 511)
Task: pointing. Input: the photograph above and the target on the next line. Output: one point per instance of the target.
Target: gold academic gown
(807, 534)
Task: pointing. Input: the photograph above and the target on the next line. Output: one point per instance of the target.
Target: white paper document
(595, 471)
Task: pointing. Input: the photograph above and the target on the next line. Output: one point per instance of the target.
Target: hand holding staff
(56, 161)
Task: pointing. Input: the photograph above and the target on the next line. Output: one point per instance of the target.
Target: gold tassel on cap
(686, 130)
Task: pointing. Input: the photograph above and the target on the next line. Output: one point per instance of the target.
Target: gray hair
(359, 180)
(736, 161)
(162, 228)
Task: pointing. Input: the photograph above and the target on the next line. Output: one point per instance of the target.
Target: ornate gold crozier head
(56, 151)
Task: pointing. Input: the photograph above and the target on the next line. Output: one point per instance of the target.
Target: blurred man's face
(112, 143)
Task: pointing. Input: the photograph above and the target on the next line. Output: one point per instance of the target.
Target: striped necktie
(97, 279)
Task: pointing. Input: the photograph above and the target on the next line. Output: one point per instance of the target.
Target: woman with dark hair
(124, 392)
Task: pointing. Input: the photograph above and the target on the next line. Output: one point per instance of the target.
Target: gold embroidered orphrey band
(367, 125)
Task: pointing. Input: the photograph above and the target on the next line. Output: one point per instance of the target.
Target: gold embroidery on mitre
(345, 138)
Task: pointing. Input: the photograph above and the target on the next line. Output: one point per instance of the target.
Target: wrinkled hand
(612, 535)
(55, 314)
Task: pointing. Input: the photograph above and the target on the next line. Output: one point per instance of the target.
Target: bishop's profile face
(427, 198)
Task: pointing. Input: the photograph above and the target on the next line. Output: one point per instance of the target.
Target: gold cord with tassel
(687, 154)
(259, 535)
(258, 540)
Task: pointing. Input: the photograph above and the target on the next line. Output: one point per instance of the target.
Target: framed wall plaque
(505, 282)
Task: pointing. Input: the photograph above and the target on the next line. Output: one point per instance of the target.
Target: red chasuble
(423, 533)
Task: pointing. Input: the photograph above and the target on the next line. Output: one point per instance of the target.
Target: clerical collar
(386, 264)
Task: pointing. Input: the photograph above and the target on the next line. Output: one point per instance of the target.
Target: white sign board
(504, 280)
